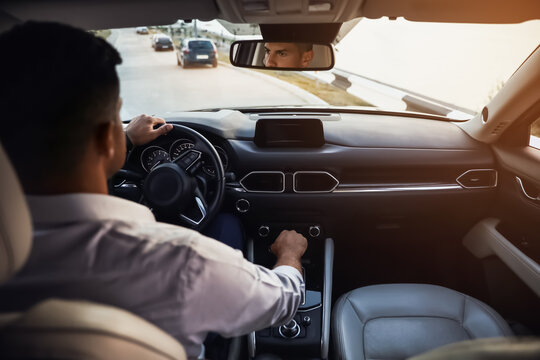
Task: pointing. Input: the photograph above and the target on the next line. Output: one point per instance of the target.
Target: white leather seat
(397, 321)
(59, 329)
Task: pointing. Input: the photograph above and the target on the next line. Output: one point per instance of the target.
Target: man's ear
(104, 140)
(307, 57)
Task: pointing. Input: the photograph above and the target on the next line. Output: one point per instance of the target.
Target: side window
(535, 134)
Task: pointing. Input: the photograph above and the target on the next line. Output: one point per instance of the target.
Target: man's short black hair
(58, 83)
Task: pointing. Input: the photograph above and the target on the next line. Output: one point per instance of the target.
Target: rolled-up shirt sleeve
(227, 294)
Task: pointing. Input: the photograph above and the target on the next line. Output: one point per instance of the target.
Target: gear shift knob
(289, 330)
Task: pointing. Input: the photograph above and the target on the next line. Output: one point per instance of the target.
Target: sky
(462, 64)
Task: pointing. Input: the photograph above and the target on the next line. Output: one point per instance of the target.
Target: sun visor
(106, 14)
(454, 11)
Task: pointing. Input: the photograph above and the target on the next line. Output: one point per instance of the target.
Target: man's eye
(282, 53)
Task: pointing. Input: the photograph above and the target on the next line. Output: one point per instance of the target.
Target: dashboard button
(264, 231)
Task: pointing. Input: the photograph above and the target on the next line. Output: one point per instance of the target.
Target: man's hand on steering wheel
(141, 130)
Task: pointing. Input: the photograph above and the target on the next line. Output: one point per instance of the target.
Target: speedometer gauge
(179, 147)
(153, 156)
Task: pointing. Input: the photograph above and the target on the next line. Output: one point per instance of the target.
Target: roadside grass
(104, 34)
(332, 95)
(224, 57)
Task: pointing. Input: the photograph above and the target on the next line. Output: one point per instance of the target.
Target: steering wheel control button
(189, 158)
(314, 231)
(289, 330)
(242, 205)
(306, 321)
(264, 231)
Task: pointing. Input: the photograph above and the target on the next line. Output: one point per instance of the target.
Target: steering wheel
(175, 191)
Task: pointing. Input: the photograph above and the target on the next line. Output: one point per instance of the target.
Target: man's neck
(92, 181)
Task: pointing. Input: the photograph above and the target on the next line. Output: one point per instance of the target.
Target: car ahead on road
(162, 42)
(142, 30)
(385, 194)
(197, 51)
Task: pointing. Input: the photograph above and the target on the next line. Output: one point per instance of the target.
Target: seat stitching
(341, 303)
(364, 340)
(341, 336)
(491, 313)
(363, 327)
(413, 316)
(392, 317)
(463, 318)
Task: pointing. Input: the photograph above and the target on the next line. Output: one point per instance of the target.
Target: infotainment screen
(289, 133)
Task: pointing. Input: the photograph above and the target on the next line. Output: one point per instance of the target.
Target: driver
(287, 55)
(63, 133)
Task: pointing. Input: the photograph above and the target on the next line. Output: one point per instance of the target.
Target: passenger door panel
(509, 242)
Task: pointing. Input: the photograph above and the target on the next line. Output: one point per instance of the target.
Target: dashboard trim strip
(344, 189)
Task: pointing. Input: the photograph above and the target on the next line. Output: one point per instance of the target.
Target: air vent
(478, 179)
(314, 182)
(264, 182)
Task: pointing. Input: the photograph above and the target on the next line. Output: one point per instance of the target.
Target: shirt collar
(85, 207)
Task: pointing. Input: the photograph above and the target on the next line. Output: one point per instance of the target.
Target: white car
(142, 30)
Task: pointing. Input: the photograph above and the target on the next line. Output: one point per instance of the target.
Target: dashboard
(357, 150)
(384, 168)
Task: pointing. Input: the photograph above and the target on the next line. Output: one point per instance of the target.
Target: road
(151, 82)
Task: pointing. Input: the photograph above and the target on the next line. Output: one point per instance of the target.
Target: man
(62, 131)
(287, 55)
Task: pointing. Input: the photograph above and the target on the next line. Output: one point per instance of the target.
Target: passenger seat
(398, 321)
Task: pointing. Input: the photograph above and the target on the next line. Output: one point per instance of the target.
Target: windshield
(390, 65)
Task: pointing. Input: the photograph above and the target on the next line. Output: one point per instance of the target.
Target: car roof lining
(103, 14)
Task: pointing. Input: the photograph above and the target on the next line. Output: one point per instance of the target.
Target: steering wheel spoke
(195, 213)
(190, 161)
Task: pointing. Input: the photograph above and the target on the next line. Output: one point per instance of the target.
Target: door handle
(528, 195)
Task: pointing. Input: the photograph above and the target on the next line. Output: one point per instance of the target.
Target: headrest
(15, 223)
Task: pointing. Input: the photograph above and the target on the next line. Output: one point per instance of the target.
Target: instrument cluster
(155, 155)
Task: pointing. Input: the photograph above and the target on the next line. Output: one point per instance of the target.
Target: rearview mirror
(260, 54)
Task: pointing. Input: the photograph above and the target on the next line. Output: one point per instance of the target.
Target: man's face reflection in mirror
(287, 55)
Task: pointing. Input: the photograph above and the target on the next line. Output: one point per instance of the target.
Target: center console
(307, 335)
